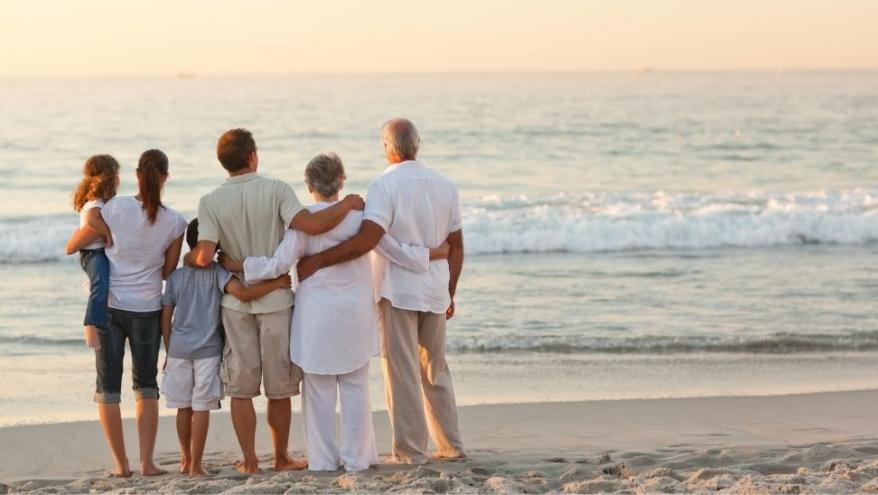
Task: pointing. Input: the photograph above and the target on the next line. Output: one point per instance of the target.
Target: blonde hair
(99, 181)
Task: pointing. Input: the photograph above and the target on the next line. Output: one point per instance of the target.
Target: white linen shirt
(420, 207)
(137, 255)
(334, 329)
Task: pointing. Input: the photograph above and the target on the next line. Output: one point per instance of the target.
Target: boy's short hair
(234, 148)
(192, 233)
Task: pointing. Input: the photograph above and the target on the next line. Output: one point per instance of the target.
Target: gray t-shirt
(196, 294)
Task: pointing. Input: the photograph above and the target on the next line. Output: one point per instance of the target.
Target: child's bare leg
(147, 428)
(200, 425)
(111, 422)
(184, 433)
(91, 337)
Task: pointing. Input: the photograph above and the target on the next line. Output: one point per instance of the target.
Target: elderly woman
(334, 330)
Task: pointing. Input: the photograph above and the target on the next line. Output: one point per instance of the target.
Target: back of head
(192, 233)
(234, 148)
(325, 174)
(401, 139)
(99, 180)
(152, 168)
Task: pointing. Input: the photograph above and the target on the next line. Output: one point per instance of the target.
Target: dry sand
(814, 443)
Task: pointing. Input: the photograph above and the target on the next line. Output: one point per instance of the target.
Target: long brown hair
(100, 176)
(151, 169)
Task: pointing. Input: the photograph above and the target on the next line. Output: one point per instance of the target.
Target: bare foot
(196, 471)
(399, 460)
(151, 470)
(453, 456)
(247, 467)
(120, 471)
(291, 464)
(184, 466)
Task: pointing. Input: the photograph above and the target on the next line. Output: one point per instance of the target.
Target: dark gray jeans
(144, 335)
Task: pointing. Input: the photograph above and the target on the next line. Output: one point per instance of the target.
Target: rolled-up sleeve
(208, 230)
(378, 207)
(257, 268)
(289, 203)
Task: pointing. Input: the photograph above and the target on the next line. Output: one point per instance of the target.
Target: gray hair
(401, 137)
(325, 174)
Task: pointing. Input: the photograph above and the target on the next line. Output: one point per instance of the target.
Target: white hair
(401, 137)
(325, 174)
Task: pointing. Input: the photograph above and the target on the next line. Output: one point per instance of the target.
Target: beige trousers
(257, 351)
(417, 384)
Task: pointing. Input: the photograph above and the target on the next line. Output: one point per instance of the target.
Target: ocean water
(627, 235)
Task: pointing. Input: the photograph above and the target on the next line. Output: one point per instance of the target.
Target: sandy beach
(811, 443)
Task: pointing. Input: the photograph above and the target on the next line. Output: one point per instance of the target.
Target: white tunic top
(335, 322)
(420, 207)
(137, 255)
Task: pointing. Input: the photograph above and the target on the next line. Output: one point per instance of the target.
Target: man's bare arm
(202, 255)
(455, 266)
(365, 240)
(323, 221)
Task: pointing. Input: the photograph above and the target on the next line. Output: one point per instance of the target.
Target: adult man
(247, 216)
(419, 207)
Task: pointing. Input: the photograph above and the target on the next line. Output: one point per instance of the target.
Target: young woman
(147, 238)
(334, 330)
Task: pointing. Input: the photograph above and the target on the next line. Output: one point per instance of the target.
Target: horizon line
(189, 74)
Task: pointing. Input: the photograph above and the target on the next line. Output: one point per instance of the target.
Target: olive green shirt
(246, 216)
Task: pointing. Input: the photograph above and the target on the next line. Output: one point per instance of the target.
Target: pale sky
(112, 37)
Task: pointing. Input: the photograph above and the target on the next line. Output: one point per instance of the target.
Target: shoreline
(494, 379)
(819, 442)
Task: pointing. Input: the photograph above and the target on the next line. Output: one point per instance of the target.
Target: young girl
(99, 183)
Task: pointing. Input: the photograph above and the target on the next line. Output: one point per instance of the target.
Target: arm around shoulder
(202, 255)
(316, 223)
(366, 239)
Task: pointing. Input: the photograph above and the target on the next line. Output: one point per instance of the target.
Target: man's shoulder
(440, 177)
(262, 182)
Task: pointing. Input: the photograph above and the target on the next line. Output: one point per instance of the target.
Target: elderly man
(417, 206)
(247, 216)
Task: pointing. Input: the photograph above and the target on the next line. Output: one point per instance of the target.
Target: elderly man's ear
(253, 160)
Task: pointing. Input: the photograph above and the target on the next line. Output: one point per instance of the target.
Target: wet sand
(812, 443)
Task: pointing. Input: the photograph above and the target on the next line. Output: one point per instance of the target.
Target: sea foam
(593, 222)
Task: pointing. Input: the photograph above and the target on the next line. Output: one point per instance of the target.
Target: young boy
(194, 346)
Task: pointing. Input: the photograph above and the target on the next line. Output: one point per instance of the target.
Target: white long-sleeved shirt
(417, 206)
(335, 322)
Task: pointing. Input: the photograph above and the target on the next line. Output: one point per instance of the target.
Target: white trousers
(358, 450)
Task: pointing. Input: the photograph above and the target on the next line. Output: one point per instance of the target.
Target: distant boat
(185, 75)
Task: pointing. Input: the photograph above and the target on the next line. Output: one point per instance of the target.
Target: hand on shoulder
(355, 201)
